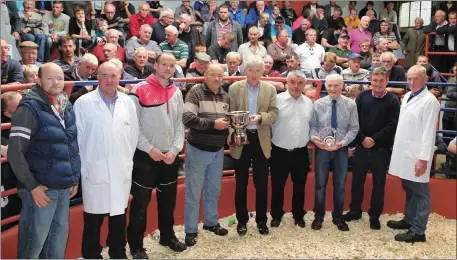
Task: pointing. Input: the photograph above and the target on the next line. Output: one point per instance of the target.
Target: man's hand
(221, 124)
(420, 168)
(317, 142)
(337, 146)
(156, 155)
(405, 52)
(254, 119)
(40, 197)
(16, 35)
(73, 191)
(435, 92)
(169, 158)
(182, 26)
(368, 142)
(55, 37)
(351, 152)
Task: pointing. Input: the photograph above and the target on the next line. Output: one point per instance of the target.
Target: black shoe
(393, 224)
(263, 229)
(275, 222)
(375, 224)
(300, 223)
(217, 229)
(410, 237)
(141, 254)
(341, 224)
(191, 239)
(241, 229)
(352, 215)
(173, 243)
(317, 224)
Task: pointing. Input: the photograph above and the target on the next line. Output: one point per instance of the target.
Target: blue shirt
(109, 102)
(64, 64)
(287, 27)
(253, 96)
(347, 118)
(238, 16)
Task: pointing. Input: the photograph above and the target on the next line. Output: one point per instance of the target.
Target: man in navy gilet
(44, 157)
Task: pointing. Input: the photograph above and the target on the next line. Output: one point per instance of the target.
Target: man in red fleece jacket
(140, 18)
(159, 107)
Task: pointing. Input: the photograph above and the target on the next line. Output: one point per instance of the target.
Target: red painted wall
(443, 192)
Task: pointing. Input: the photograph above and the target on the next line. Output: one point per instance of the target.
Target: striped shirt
(201, 108)
(180, 49)
(377, 37)
(222, 29)
(347, 118)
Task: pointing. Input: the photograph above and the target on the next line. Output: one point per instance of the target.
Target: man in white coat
(413, 153)
(107, 136)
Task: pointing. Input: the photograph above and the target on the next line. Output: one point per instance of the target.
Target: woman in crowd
(80, 29)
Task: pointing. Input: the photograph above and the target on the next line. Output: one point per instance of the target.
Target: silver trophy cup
(239, 120)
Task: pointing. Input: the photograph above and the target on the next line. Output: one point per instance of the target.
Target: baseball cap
(344, 35)
(353, 56)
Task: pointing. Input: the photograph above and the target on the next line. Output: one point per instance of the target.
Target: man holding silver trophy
(258, 98)
(334, 125)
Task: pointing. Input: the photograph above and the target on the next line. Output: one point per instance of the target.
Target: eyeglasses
(311, 51)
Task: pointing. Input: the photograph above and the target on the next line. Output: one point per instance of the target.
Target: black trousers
(376, 160)
(149, 174)
(251, 152)
(282, 162)
(440, 62)
(91, 248)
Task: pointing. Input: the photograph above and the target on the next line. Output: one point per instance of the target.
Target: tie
(410, 97)
(334, 123)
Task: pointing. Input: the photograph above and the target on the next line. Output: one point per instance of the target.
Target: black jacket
(15, 21)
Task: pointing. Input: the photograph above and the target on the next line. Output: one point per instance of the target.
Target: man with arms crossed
(412, 155)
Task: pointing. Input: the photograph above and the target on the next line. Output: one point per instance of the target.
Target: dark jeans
(91, 248)
(252, 151)
(282, 162)
(339, 161)
(149, 174)
(376, 161)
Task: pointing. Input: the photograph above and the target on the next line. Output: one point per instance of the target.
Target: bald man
(108, 194)
(46, 163)
(159, 107)
(204, 115)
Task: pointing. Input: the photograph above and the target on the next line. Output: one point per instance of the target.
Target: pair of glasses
(311, 51)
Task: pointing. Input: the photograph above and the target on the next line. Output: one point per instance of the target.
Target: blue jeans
(39, 39)
(418, 205)
(43, 232)
(203, 171)
(339, 161)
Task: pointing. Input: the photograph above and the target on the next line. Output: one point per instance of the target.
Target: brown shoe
(317, 224)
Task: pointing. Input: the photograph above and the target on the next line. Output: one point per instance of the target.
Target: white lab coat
(106, 145)
(415, 136)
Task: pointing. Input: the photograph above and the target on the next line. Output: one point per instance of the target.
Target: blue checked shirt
(347, 118)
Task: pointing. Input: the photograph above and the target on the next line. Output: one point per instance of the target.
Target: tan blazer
(266, 107)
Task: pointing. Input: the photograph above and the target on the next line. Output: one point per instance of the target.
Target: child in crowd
(100, 32)
(199, 48)
(30, 73)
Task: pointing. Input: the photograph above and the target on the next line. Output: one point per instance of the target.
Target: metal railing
(428, 52)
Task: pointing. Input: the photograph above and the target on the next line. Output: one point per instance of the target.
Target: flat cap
(203, 57)
(28, 44)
